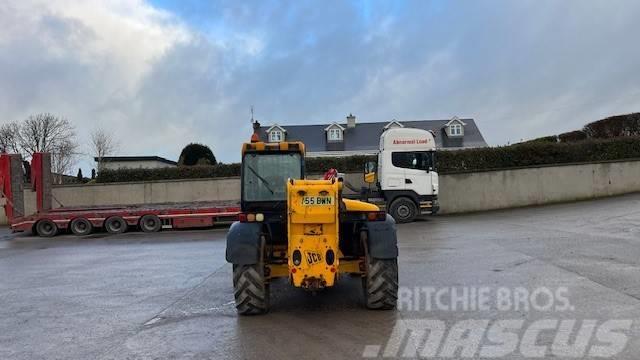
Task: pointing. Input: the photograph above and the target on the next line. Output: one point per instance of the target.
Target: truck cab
(405, 173)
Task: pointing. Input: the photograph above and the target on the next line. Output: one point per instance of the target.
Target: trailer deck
(81, 220)
(171, 215)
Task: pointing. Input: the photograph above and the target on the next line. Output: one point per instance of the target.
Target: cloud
(160, 75)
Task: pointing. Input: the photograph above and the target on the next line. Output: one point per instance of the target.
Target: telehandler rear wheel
(380, 283)
(250, 288)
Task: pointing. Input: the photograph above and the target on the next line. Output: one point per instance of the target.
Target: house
(352, 138)
(135, 162)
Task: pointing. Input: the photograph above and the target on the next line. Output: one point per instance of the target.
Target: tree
(10, 138)
(102, 144)
(614, 126)
(196, 154)
(79, 176)
(48, 133)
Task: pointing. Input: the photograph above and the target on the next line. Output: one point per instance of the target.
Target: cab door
(392, 177)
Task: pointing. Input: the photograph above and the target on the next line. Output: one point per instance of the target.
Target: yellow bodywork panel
(355, 205)
(313, 227)
(280, 146)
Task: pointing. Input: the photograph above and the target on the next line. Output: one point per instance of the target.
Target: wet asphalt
(169, 295)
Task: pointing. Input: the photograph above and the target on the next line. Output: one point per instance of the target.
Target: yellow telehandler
(303, 230)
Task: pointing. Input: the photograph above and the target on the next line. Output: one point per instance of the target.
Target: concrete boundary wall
(489, 190)
(467, 192)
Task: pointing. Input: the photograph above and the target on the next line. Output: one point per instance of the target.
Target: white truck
(404, 180)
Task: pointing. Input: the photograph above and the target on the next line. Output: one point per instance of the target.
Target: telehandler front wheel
(250, 289)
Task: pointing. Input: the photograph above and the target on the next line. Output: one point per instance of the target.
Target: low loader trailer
(48, 221)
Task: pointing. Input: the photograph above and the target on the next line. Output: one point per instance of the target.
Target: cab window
(418, 160)
(265, 175)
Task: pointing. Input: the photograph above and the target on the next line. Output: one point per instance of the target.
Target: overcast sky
(162, 73)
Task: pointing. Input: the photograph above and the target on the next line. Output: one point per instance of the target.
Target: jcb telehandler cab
(303, 230)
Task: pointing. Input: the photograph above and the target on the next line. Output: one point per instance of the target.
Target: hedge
(573, 136)
(343, 164)
(448, 161)
(534, 154)
(180, 172)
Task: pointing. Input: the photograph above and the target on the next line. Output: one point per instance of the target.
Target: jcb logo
(313, 257)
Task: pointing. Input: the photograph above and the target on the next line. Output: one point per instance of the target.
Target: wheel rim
(81, 226)
(403, 211)
(47, 228)
(116, 225)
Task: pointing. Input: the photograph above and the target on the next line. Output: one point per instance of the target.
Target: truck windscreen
(265, 175)
(419, 160)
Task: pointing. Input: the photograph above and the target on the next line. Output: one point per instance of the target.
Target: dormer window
(335, 132)
(393, 124)
(276, 133)
(275, 136)
(455, 127)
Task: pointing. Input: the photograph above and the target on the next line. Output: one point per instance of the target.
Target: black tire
(403, 210)
(81, 227)
(115, 225)
(46, 228)
(380, 283)
(150, 223)
(250, 289)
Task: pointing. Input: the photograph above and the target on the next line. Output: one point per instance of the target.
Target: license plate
(317, 200)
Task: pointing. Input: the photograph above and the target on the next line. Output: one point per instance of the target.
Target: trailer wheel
(250, 288)
(150, 223)
(380, 283)
(115, 225)
(81, 227)
(46, 228)
(403, 210)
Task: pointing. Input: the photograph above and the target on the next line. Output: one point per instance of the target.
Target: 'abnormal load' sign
(410, 141)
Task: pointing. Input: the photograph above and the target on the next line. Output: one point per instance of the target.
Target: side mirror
(370, 172)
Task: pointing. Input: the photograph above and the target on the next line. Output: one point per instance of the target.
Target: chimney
(351, 121)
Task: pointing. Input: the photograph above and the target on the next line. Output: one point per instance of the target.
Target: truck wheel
(46, 228)
(380, 283)
(115, 225)
(150, 223)
(403, 210)
(250, 289)
(81, 227)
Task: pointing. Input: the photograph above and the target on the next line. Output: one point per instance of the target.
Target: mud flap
(243, 243)
(382, 239)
